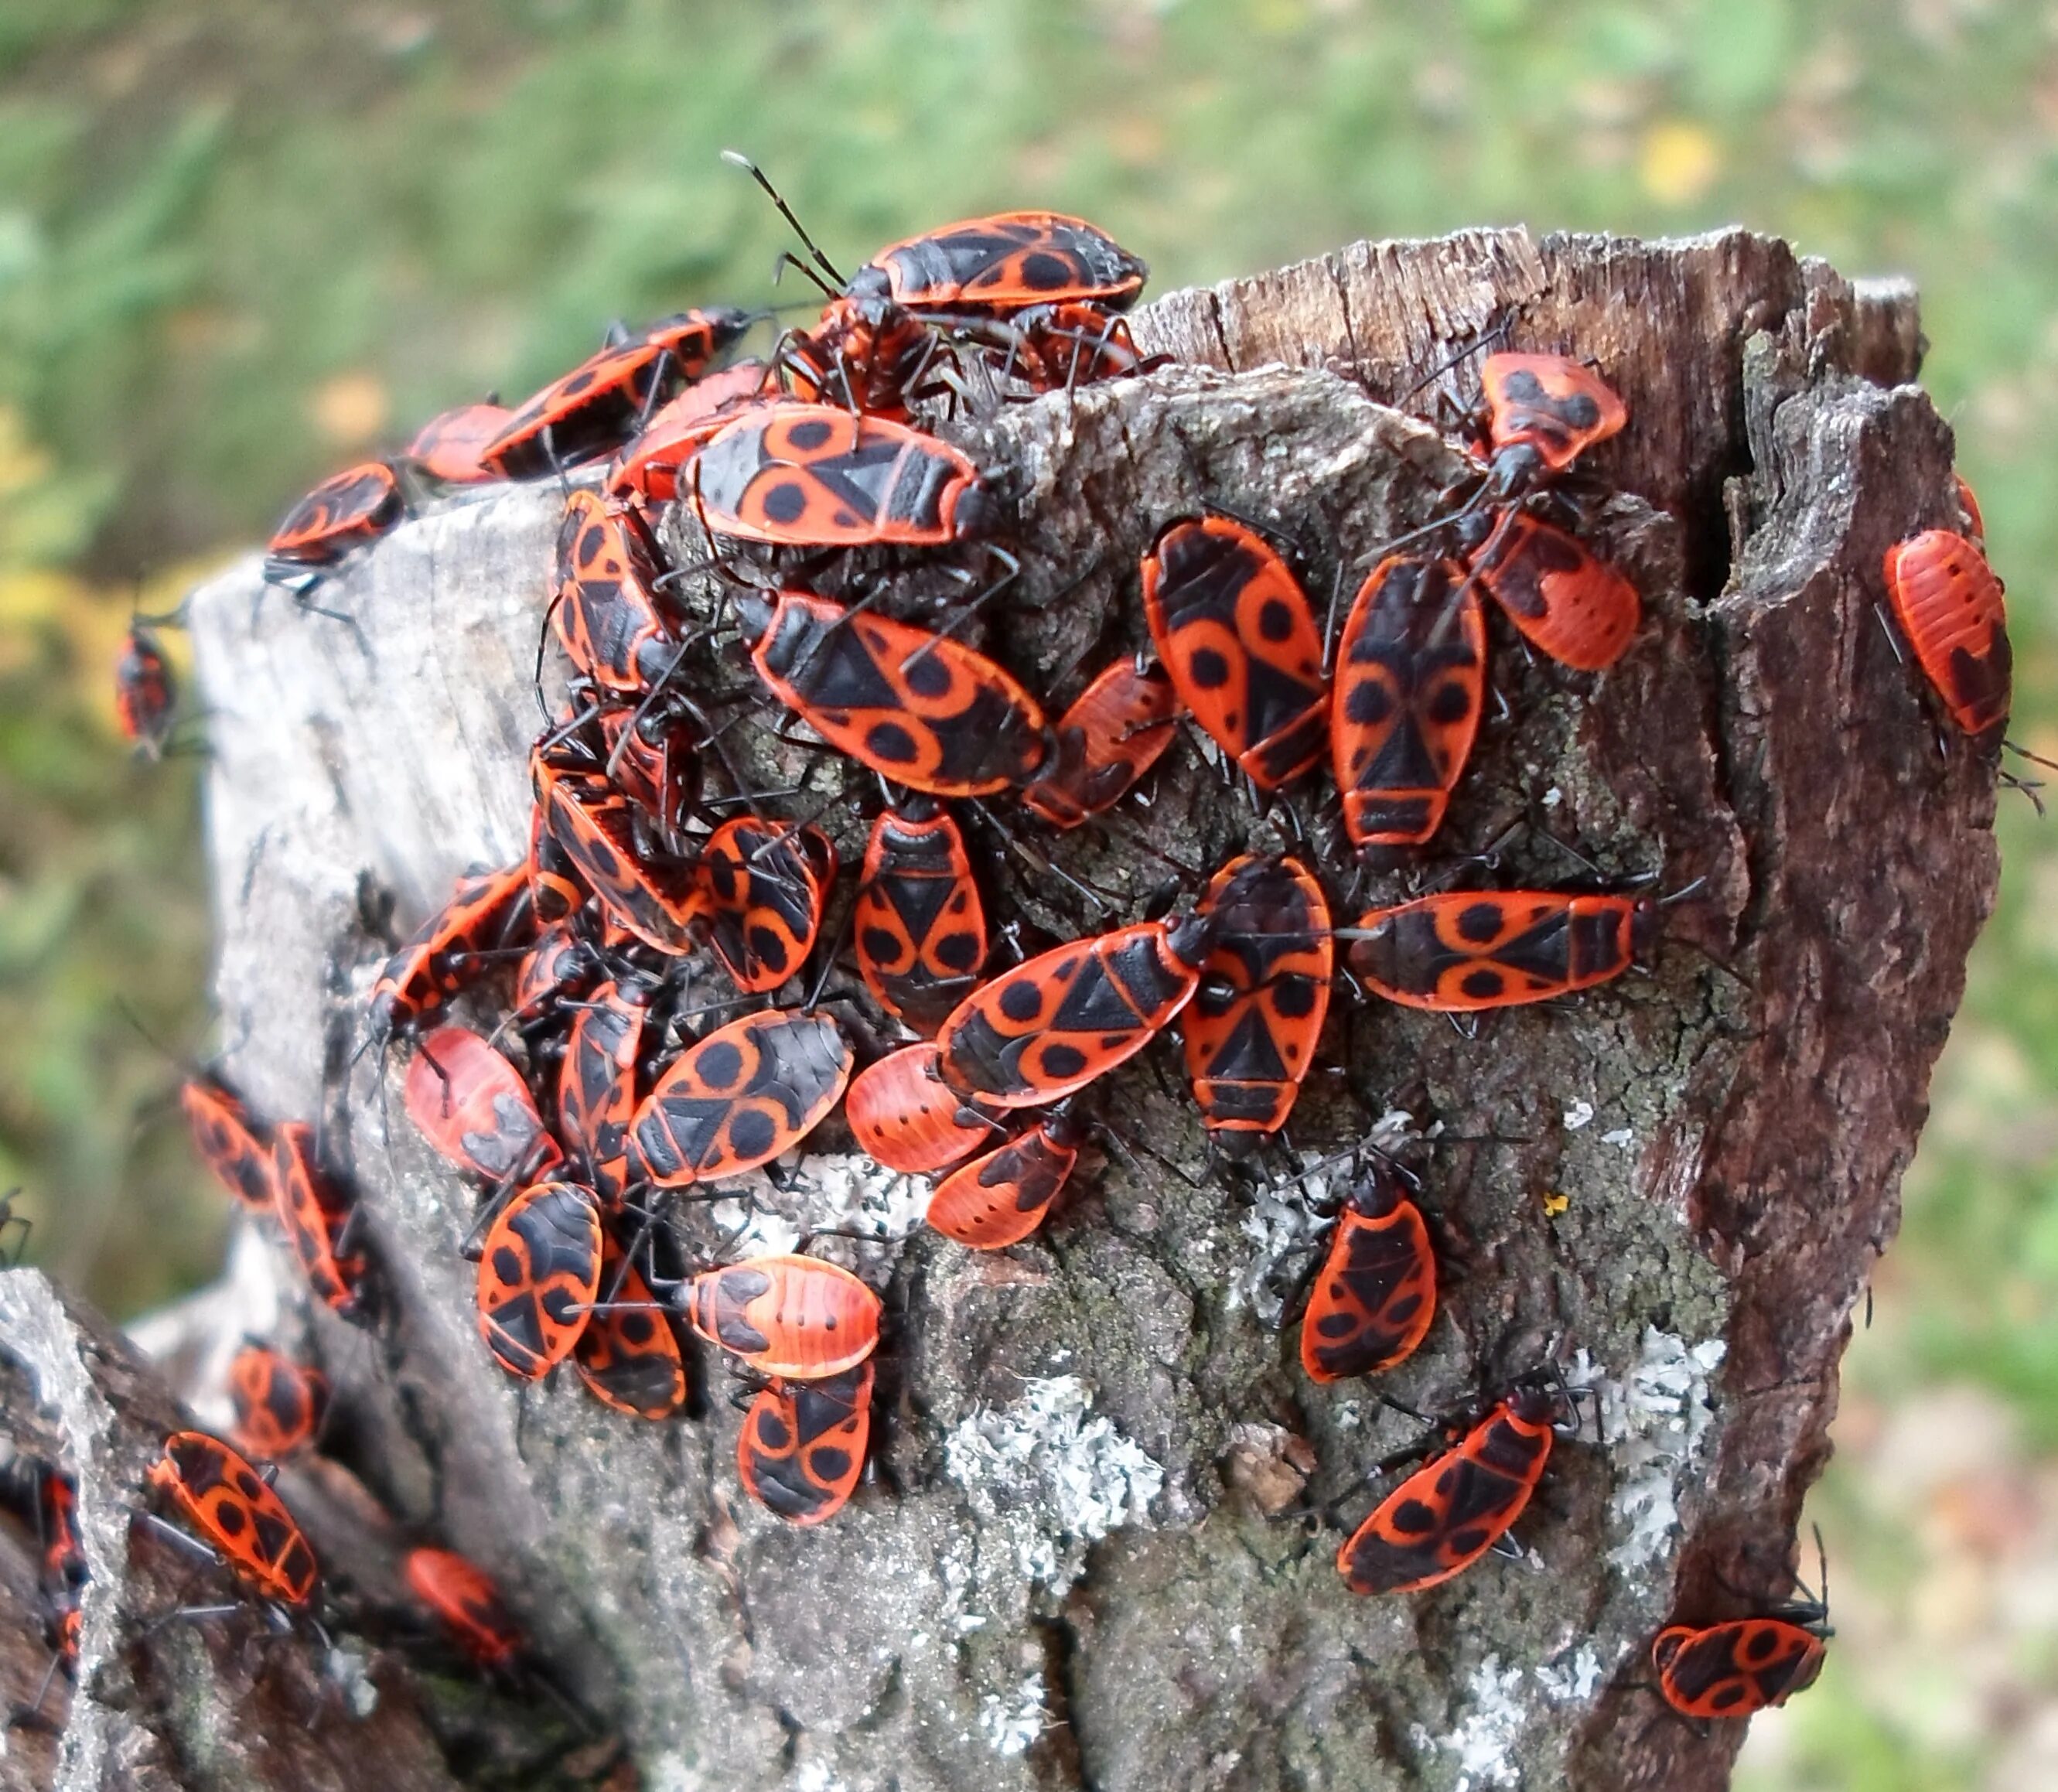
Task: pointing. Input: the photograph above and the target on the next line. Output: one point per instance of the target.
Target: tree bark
(1075, 1568)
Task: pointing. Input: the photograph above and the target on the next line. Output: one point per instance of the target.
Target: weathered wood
(1068, 1573)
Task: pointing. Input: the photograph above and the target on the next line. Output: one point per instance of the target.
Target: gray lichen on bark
(1071, 1569)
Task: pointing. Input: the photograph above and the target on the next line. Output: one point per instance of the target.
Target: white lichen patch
(1578, 1115)
(1621, 1138)
(1013, 1724)
(1046, 1475)
(1484, 1742)
(1571, 1683)
(842, 1192)
(1652, 1422)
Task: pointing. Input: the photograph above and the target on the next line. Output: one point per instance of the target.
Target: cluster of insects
(612, 1087)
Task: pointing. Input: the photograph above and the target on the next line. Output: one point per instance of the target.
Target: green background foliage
(242, 242)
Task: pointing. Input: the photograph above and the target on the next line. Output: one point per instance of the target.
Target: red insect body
(1948, 603)
(467, 1604)
(662, 903)
(593, 409)
(1543, 411)
(144, 691)
(1235, 630)
(651, 464)
(743, 1095)
(1748, 1664)
(314, 1213)
(1104, 743)
(802, 1446)
(1375, 1294)
(1575, 607)
(767, 886)
(448, 446)
(231, 1143)
(920, 709)
(1447, 1515)
(791, 1317)
(629, 1356)
(1467, 950)
(1002, 265)
(906, 1117)
(1050, 1026)
(920, 927)
(597, 1084)
(278, 1403)
(1251, 1030)
(810, 475)
(1411, 688)
(474, 1107)
(606, 610)
(356, 506)
(1001, 1198)
(537, 1277)
(488, 912)
(227, 1502)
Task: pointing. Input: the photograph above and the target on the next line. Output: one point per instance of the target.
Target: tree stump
(1078, 1565)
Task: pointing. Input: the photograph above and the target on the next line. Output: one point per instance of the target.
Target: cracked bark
(1755, 1098)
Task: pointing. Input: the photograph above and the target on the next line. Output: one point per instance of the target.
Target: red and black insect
(231, 1143)
(475, 1108)
(651, 466)
(278, 1403)
(1001, 265)
(792, 1316)
(661, 901)
(145, 693)
(1410, 687)
(1104, 743)
(1451, 1512)
(1062, 272)
(606, 609)
(1048, 1027)
(488, 913)
(63, 1573)
(1466, 950)
(315, 1215)
(903, 1115)
(918, 707)
(746, 1093)
(596, 1083)
(803, 1443)
(767, 886)
(629, 1356)
(356, 506)
(1235, 630)
(1252, 1028)
(1731, 1670)
(539, 1275)
(1949, 604)
(789, 475)
(556, 890)
(1000, 1198)
(1573, 605)
(1374, 1294)
(559, 968)
(227, 1502)
(448, 446)
(1541, 412)
(467, 1604)
(919, 927)
(594, 408)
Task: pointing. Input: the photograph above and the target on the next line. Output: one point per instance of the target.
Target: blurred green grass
(240, 243)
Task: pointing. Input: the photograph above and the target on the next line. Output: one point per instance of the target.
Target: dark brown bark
(1067, 1574)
